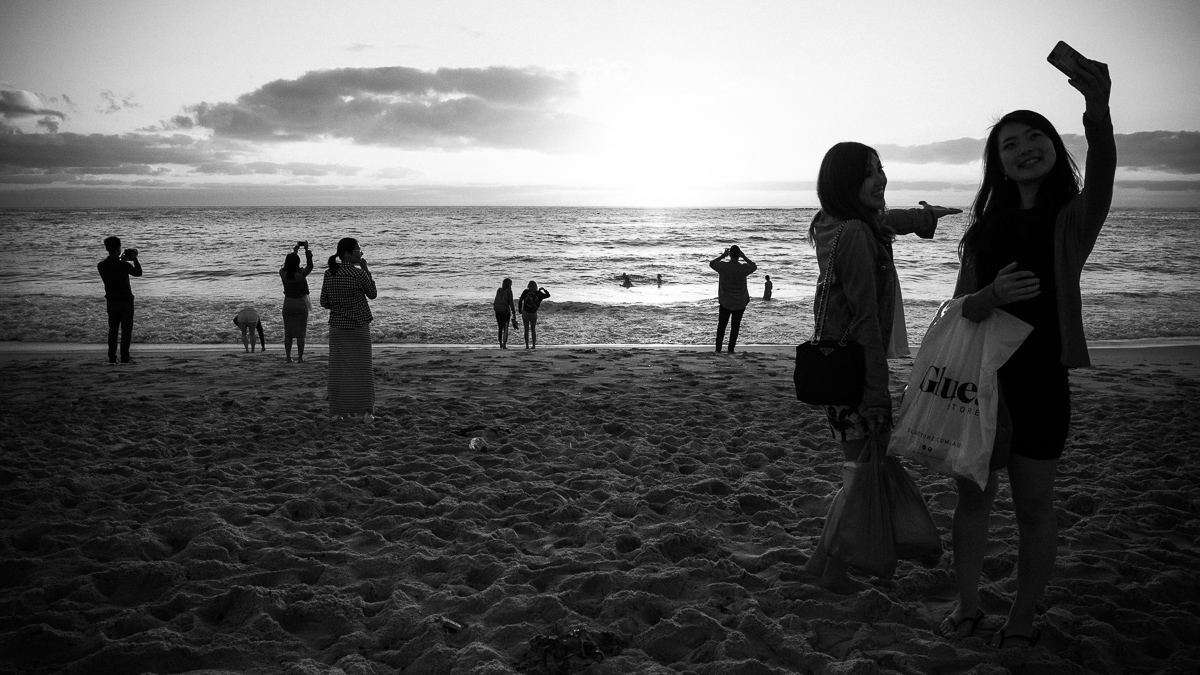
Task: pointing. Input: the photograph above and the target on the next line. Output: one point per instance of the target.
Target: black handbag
(830, 372)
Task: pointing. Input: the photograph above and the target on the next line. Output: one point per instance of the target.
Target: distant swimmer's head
(507, 283)
(1025, 148)
(113, 245)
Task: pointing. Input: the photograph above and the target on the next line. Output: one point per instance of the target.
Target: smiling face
(1026, 153)
(870, 194)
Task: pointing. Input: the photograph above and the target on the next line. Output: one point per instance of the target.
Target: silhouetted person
(626, 283)
(347, 286)
(852, 236)
(1031, 229)
(296, 303)
(531, 299)
(115, 270)
(247, 319)
(732, 294)
(506, 311)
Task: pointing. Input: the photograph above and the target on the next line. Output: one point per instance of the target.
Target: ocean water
(437, 270)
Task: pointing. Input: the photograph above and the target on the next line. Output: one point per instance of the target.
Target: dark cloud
(49, 158)
(1160, 185)
(271, 168)
(17, 103)
(91, 151)
(958, 151)
(1166, 151)
(447, 108)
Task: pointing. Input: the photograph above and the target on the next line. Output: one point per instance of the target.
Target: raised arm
(715, 262)
(1092, 80)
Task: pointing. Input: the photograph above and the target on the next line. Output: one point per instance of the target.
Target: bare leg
(525, 322)
(300, 349)
(1032, 483)
(245, 340)
(970, 537)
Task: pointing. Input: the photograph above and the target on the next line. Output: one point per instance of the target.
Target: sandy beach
(633, 510)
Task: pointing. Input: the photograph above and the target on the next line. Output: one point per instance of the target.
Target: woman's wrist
(995, 295)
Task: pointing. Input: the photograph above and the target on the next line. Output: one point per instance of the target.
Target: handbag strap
(820, 323)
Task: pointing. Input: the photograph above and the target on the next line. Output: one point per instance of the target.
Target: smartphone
(1065, 58)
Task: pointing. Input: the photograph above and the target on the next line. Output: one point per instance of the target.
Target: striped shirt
(345, 296)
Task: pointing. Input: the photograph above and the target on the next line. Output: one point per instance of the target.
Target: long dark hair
(999, 195)
(291, 265)
(841, 178)
(345, 245)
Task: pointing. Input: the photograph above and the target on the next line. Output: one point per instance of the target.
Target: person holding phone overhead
(344, 292)
(1031, 230)
(732, 294)
(296, 303)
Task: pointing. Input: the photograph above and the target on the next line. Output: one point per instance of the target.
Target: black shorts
(1038, 398)
(502, 318)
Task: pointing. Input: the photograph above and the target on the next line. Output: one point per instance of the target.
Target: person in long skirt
(296, 304)
(344, 292)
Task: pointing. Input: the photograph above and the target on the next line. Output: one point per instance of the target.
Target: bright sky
(644, 103)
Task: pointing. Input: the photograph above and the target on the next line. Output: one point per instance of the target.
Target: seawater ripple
(438, 268)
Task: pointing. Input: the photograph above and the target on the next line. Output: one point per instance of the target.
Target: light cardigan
(1076, 229)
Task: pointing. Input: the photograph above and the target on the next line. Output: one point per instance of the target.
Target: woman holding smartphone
(1030, 233)
(345, 290)
(296, 303)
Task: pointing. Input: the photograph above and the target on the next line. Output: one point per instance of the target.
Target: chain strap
(820, 323)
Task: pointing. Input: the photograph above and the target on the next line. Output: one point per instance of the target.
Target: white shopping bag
(947, 419)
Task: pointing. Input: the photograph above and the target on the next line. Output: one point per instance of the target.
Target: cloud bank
(448, 108)
(1165, 151)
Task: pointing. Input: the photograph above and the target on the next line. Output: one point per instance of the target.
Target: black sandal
(949, 627)
(1030, 640)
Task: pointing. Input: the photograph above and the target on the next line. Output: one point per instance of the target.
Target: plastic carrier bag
(879, 517)
(915, 534)
(858, 529)
(947, 419)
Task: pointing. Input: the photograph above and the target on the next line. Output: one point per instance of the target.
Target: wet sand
(198, 511)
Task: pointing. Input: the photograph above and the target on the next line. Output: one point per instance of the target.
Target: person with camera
(296, 303)
(115, 271)
(344, 292)
(732, 293)
(530, 301)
